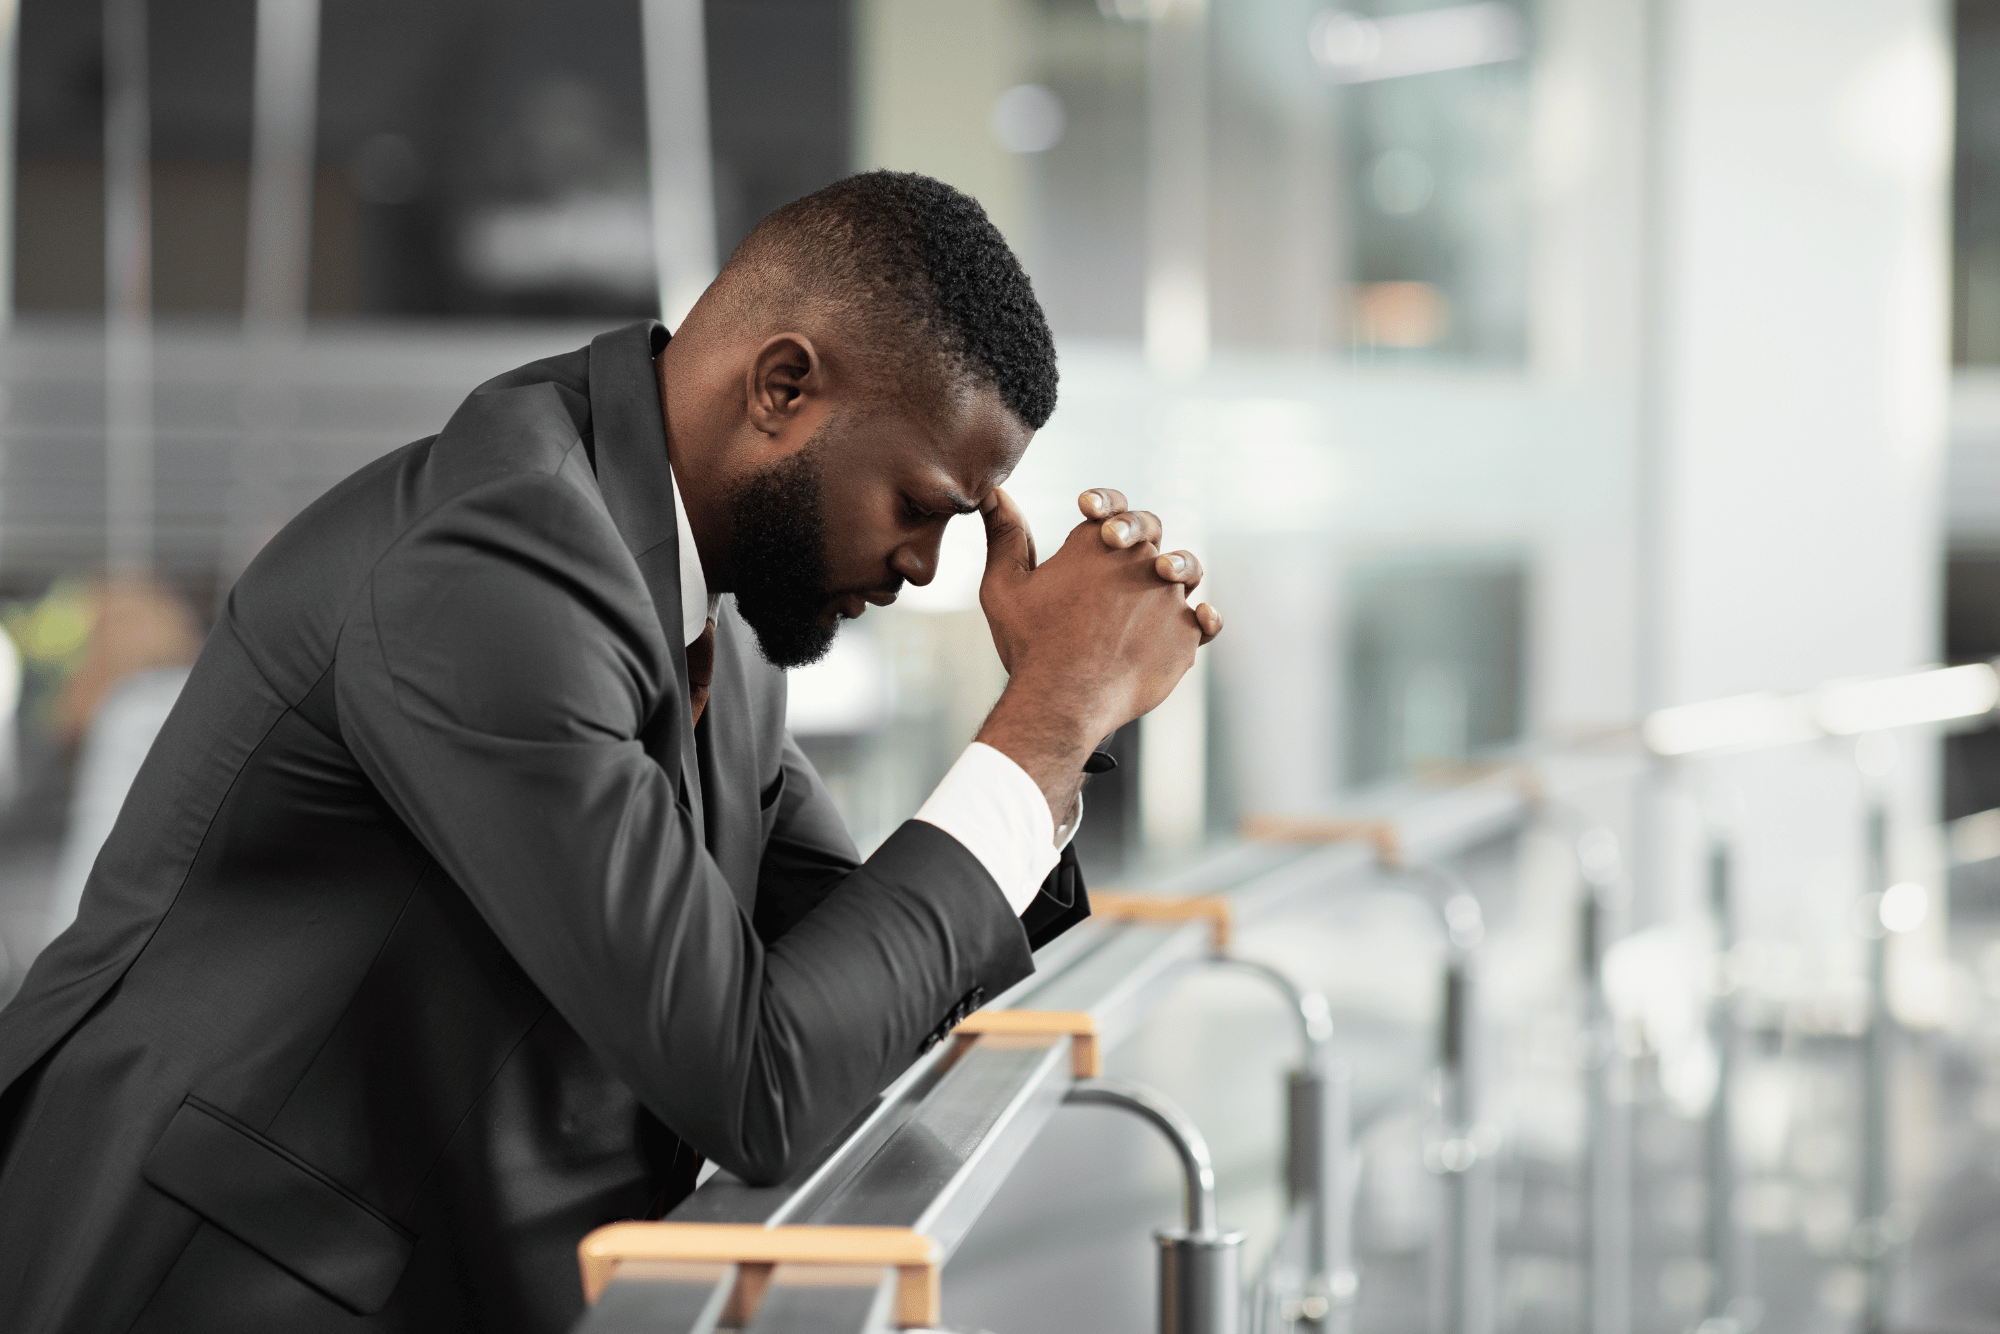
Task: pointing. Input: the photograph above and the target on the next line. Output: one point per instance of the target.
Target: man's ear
(784, 375)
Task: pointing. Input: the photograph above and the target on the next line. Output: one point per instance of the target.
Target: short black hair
(906, 255)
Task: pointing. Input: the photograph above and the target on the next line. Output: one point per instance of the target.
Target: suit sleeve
(809, 852)
(494, 680)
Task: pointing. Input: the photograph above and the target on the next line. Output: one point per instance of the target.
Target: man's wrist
(1049, 738)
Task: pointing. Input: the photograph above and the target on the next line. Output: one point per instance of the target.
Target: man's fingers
(1101, 502)
(1179, 567)
(1010, 547)
(1130, 529)
(1210, 621)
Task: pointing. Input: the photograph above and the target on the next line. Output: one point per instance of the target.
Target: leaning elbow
(767, 1164)
(763, 1151)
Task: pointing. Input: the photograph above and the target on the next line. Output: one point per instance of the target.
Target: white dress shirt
(986, 801)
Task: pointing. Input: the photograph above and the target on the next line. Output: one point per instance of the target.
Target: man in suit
(474, 887)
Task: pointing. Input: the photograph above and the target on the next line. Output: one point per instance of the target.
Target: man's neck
(701, 507)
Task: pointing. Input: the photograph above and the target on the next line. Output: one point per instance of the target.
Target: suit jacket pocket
(276, 1203)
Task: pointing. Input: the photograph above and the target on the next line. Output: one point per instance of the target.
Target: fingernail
(1178, 564)
(1096, 499)
(1120, 529)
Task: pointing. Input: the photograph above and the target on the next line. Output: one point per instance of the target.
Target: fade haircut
(920, 273)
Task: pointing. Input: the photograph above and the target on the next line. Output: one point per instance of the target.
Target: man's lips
(851, 605)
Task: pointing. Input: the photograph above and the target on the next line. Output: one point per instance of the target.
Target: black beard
(779, 559)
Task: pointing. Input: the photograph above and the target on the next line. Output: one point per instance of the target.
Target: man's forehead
(975, 440)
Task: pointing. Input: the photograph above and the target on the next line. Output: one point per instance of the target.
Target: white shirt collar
(697, 603)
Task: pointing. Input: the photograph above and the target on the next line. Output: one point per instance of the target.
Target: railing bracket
(756, 1251)
(1119, 906)
(1080, 1028)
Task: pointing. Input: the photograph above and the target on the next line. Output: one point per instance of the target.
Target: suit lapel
(630, 444)
(738, 730)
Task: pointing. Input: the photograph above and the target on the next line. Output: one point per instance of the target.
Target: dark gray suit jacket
(432, 935)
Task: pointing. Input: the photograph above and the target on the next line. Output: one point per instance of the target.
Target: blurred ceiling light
(1740, 722)
(1904, 907)
(1400, 314)
(1353, 48)
(596, 240)
(1402, 182)
(1903, 701)
(1028, 118)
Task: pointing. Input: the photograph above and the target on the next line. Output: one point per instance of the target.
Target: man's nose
(917, 562)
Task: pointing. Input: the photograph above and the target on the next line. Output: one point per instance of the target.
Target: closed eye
(955, 505)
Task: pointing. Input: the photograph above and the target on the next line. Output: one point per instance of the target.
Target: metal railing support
(1607, 1171)
(1607, 1202)
(1875, 1230)
(1319, 1157)
(1462, 1154)
(1200, 1268)
(1731, 1307)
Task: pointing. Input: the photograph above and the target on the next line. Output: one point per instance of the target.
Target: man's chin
(789, 642)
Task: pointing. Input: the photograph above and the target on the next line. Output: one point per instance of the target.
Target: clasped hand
(1093, 637)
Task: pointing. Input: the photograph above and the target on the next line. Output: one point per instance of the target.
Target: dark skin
(1091, 638)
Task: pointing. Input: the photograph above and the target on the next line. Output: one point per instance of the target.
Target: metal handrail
(933, 1148)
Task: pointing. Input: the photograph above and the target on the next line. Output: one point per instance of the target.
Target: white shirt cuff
(988, 803)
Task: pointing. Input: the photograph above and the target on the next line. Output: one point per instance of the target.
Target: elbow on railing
(760, 1152)
(776, 1134)
(763, 1165)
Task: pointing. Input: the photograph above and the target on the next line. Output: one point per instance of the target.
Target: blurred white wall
(1587, 335)
(1792, 468)
(1803, 362)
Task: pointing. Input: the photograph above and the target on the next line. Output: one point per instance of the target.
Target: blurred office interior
(1522, 370)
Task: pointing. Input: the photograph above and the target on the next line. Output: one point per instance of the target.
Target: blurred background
(1518, 368)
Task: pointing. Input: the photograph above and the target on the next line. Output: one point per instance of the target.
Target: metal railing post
(1319, 1157)
(1462, 1154)
(1730, 1308)
(1875, 1226)
(1606, 1164)
(1200, 1268)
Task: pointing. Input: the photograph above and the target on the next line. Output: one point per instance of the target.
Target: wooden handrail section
(756, 1251)
(1308, 829)
(1080, 1028)
(1114, 905)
